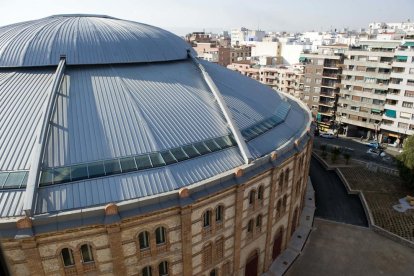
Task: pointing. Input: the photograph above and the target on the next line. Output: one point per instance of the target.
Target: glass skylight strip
(13, 180)
(263, 126)
(58, 175)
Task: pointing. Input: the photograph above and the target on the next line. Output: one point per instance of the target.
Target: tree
(335, 153)
(347, 156)
(406, 162)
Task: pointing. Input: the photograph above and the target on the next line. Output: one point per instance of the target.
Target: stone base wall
(251, 218)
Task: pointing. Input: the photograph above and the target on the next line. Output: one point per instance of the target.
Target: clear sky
(181, 16)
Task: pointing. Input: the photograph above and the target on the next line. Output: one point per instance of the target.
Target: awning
(390, 113)
(409, 43)
(401, 58)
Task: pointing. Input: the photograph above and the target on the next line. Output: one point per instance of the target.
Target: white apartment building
(398, 118)
(365, 80)
(382, 27)
(243, 35)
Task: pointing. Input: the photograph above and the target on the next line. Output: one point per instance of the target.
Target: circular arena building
(122, 153)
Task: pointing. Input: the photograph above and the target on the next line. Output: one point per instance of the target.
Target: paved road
(360, 150)
(343, 249)
(331, 198)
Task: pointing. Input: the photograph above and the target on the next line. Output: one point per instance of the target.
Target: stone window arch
(219, 246)
(213, 272)
(250, 225)
(207, 254)
(284, 202)
(252, 197)
(160, 235)
(207, 218)
(67, 257)
(260, 192)
(163, 268)
(146, 271)
(87, 253)
(281, 178)
(278, 208)
(219, 214)
(259, 219)
(144, 240)
(287, 172)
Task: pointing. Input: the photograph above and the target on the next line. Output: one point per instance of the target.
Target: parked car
(376, 152)
(373, 144)
(328, 135)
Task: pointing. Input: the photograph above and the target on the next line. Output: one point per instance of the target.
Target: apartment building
(398, 116)
(322, 77)
(365, 82)
(281, 78)
(229, 55)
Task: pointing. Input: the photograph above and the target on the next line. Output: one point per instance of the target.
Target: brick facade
(189, 247)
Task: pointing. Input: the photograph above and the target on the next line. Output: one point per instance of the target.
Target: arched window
(86, 251)
(207, 218)
(260, 193)
(160, 235)
(207, 254)
(287, 176)
(252, 196)
(281, 177)
(284, 203)
(278, 208)
(259, 221)
(143, 238)
(219, 213)
(213, 272)
(67, 257)
(219, 248)
(163, 268)
(147, 271)
(250, 226)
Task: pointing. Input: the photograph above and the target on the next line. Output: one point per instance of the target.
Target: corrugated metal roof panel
(22, 95)
(100, 191)
(11, 203)
(242, 95)
(293, 126)
(86, 40)
(115, 111)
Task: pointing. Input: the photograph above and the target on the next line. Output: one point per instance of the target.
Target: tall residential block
(366, 75)
(398, 117)
(322, 77)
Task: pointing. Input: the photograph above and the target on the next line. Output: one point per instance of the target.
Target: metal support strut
(224, 109)
(41, 137)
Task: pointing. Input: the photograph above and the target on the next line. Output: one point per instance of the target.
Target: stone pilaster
(186, 240)
(238, 225)
(269, 234)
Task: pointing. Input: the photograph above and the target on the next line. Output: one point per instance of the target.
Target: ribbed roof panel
(86, 40)
(22, 97)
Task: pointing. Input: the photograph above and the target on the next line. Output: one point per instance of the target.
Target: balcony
(382, 76)
(361, 52)
(327, 94)
(379, 86)
(330, 76)
(386, 65)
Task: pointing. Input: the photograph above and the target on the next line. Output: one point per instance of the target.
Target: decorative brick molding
(111, 209)
(24, 223)
(184, 193)
(238, 172)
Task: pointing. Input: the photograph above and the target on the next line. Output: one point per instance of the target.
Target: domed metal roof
(86, 39)
(126, 129)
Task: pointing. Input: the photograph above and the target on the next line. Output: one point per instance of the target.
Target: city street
(332, 200)
(359, 150)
